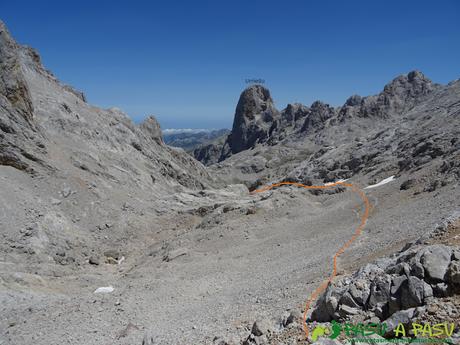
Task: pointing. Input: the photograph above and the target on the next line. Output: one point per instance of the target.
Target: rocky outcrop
(420, 283)
(17, 150)
(407, 280)
(317, 117)
(293, 115)
(152, 129)
(255, 120)
(400, 95)
(13, 85)
(254, 117)
(210, 153)
(301, 120)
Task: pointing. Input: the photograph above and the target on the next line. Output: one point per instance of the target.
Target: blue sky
(186, 61)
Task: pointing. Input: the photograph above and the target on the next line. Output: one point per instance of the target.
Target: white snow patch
(331, 183)
(381, 183)
(105, 289)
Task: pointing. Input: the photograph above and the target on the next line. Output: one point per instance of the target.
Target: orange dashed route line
(355, 235)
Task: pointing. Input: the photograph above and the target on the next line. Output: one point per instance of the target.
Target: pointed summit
(254, 116)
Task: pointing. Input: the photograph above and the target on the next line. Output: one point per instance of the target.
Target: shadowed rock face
(254, 117)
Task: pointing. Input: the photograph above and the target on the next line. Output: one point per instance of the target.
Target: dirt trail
(342, 249)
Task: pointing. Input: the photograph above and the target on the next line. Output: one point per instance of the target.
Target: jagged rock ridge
(257, 121)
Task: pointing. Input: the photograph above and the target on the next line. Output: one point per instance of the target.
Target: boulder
(412, 293)
(441, 290)
(407, 184)
(293, 316)
(262, 327)
(94, 260)
(359, 292)
(417, 270)
(453, 274)
(427, 291)
(456, 254)
(435, 260)
(326, 305)
(348, 300)
(400, 317)
(112, 254)
(256, 340)
(345, 310)
(396, 284)
(379, 291)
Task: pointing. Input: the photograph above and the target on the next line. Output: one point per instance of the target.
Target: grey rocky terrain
(110, 236)
(418, 284)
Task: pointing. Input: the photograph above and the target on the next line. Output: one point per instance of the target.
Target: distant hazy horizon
(188, 130)
(186, 62)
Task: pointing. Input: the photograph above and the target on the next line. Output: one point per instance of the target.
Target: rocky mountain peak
(254, 101)
(151, 128)
(254, 116)
(412, 84)
(398, 96)
(294, 112)
(353, 100)
(319, 114)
